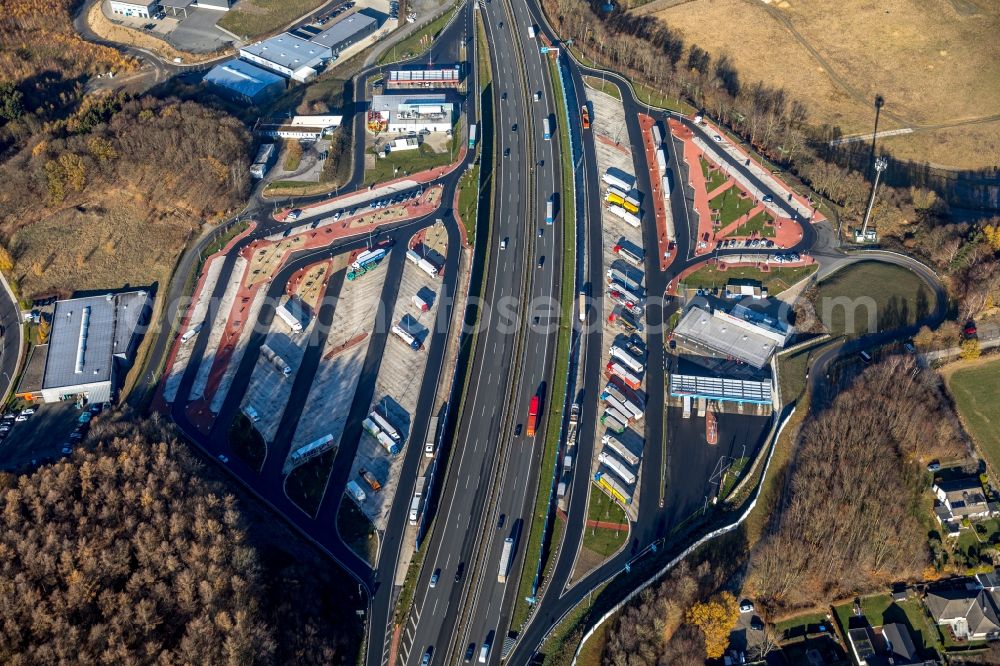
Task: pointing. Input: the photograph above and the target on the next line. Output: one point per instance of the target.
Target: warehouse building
(442, 77)
(412, 113)
(135, 9)
(742, 334)
(346, 32)
(288, 55)
(91, 346)
(310, 128)
(240, 81)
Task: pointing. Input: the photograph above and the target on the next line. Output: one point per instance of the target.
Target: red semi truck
(532, 416)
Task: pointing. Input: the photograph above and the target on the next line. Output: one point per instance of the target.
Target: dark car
(970, 331)
(541, 261)
(517, 430)
(513, 128)
(470, 652)
(459, 571)
(757, 624)
(768, 198)
(506, 152)
(501, 520)
(503, 96)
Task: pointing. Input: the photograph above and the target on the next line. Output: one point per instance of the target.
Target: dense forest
(127, 553)
(853, 515)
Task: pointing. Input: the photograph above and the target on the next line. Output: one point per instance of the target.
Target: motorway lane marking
(467, 482)
(435, 609)
(448, 561)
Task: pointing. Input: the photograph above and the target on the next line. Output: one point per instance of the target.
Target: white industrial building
(288, 55)
(346, 32)
(414, 113)
(444, 77)
(301, 127)
(742, 334)
(91, 345)
(134, 9)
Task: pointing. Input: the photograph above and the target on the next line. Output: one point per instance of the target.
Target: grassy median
(540, 514)
(419, 42)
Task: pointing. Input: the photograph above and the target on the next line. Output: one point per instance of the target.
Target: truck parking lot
(400, 376)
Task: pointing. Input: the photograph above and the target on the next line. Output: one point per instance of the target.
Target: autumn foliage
(852, 515)
(126, 554)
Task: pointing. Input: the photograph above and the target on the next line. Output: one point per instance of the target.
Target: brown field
(117, 245)
(934, 62)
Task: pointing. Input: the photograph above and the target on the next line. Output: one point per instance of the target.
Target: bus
(550, 210)
(472, 136)
(547, 128)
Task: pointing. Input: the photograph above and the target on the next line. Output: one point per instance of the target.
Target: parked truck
(632, 280)
(431, 440)
(193, 331)
(620, 318)
(384, 425)
(506, 555)
(585, 116)
(275, 360)
(687, 407)
(617, 467)
(356, 492)
(421, 303)
(574, 424)
(614, 403)
(406, 337)
(618, 447)
(618, 178)
(613, 488)
(613, 421)
(417, 503)
(370, 479)
(631, 219)
(532, 422)
(627, 254)
(628, 378)
(625, 358)
(366, 262)
(422, 263)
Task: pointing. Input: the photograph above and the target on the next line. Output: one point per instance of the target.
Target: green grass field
(870, 295)
(730, 206)
(254, 18)
(602, 540)
(405, 162)
(977, 393)
(603, 86)
(468, 198)
(776, 280)
(761, 223)
(714, 178)
(880, 609)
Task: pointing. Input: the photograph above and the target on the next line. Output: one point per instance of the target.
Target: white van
(484, 653)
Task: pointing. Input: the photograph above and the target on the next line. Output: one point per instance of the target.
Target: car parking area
(41, 437)
(608, 127)
(190, 29)
(332, 391)
(400, 379)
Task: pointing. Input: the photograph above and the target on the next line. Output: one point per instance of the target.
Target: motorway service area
(619, 441)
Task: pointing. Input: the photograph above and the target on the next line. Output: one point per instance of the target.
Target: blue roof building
(242, 82)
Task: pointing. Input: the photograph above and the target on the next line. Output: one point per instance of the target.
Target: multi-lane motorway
(494, 469)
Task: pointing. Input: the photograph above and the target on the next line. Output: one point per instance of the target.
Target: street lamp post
(880, 165)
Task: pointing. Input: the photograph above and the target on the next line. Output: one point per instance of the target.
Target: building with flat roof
(219, 5)
(134, 9)
(288, 55)
(412, 113)
(441, 77)
(301, 127)
(346, 32)
(742, 334)
(722, 389)
(91, 344)
(241, 81)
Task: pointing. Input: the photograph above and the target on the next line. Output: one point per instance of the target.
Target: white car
(746, 606)
(717, 138)
(336, 216)
(21, 417)
(28, 411)
(223, 458)
(503, 244)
